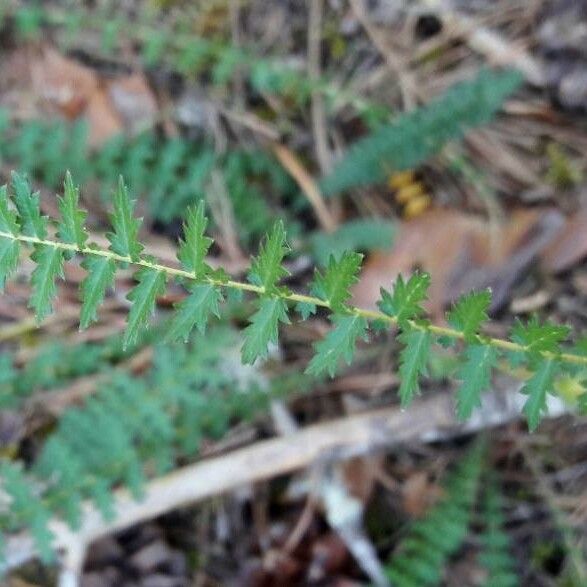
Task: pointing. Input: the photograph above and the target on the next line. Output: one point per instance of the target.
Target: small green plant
(496, 556)
(133, 428)
(537, 346)
(171, 174)
(422, 555)
(175, 45)
(417, 135)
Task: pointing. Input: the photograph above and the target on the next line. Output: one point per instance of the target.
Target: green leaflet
(29, 208)
(151, 283)
(9, 256)
(9, 248)
(124, 239)
(8, 220)
(195, 310)
(338, 344)
(536, 388)
(334, 286)
(413, 359)
(475, 374)
(405, 301)
(49, 262)
(266, 269)
(538, 337)
(71, 228)
(264, 328)
(100, 277)
(194, 248)
(470, 312)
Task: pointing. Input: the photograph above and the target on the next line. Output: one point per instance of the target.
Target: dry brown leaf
(41, 81)
(419, 494)
(569, 247)
(461, 253)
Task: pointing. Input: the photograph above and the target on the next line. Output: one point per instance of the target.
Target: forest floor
(504, 208)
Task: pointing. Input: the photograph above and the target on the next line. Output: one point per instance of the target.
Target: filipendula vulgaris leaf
(338, 344)
(195, 244)
(195, 310)
(405, 301)
(9, 248)
(124, 240)
(475, 374)
(32, 223)
(413, 359)
(100, 277)
(334, 285)
(71, 228)
(264, 328)
(151, 283)
(49, 262)
(537, 388)
(26, 508)
(469, 313)
(266, 269)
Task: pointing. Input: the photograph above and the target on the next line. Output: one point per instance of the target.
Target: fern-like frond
(496, 555)
(417, 135)
(421, 556)
(537, 346)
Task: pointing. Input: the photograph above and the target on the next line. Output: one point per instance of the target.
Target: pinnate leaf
(537, 388)
(194, 248)
(405, 301)
(29, 208)
(334, 285)
(470, 312)
(475, 374)
(264, 328)
(71, 228)
(151, 283)
(194, 311)
(338, 344)
(49, 262)
(100, 277)
(124, 240)
(413, 359)
(267, 268)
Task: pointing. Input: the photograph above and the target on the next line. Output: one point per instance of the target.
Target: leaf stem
(372, 315)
